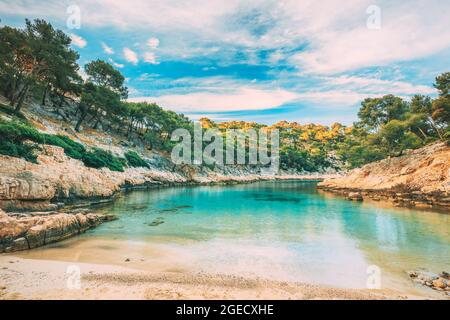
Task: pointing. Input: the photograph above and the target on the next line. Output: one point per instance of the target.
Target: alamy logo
(73, 277)
(74, 19)
(374, 19)
(230, 147)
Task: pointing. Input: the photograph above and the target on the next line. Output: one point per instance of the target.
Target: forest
(38, 64)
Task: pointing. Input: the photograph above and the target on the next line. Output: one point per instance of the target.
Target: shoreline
(417, 201)
(33, 229)
(49, 279)
(94, 201)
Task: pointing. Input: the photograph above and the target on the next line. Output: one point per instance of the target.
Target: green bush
(99, 158)
(134, 160)
(18, 150)
(18, 132)
(71, 148)
(13, 134)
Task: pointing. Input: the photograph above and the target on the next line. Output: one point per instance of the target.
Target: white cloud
(115, 64)
(409, 30)
(334, 31)
(334, 98)
(78, 41)
(107, 49)
(150, 57)
(380, 86)
(130, 55)
(153, 43)
(241, 99)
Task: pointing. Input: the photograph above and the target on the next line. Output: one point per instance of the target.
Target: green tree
(376, 112)
(396, 138)
(101, 94)
(39, 55)
(441, 105)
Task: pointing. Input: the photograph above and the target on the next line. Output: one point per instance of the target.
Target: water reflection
(285, 230)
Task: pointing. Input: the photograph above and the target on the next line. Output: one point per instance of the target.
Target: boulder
(355, 196)
(440, 283)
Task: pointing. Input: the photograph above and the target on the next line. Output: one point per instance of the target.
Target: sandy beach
(44, 279)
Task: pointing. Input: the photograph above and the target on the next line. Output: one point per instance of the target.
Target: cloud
(380, 86)
(78, 41)
(408, 31)
(115, 64)
(334, 40)
(150, 57)
(130, 55)
(107, 49)
(241, 99)
(153, 43)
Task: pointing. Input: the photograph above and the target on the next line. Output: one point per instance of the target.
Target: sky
(257, 60)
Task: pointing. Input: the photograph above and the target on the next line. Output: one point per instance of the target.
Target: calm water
(280, 230)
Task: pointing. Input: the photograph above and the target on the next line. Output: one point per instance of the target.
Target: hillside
(419, 178)
(55, 178)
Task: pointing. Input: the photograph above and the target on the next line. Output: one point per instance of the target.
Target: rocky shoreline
(437, 201)
(43, 199)
(27, 231)
(439, 282)
(57, 180)
(418, 179)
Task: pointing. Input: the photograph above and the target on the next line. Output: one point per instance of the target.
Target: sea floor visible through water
(274, 230)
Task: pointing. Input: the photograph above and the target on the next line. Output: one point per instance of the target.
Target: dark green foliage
(134, 160)
(18, 150)
(99, 158)
(14, 134)
(17, 132)
(296, 159)
(71, 148)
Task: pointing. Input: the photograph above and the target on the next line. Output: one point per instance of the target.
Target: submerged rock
(156, 222)
(356, 196)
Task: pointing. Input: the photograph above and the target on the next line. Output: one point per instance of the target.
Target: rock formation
(28, 232)
(418, 178)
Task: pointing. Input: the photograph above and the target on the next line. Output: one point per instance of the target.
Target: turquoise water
(279, 230)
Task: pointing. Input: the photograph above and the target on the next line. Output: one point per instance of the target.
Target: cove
(282, 230)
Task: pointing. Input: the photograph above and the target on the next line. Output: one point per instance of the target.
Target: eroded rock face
(419, 178)
(27, 186)
(28, 232)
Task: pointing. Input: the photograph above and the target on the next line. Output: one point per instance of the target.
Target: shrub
(13, 134)
(18, 150)
(99, 158)
(18, 132)
(71, 148)
(134, 160)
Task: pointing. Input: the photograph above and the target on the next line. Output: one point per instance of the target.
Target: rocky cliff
(419, 178)
(58, 179)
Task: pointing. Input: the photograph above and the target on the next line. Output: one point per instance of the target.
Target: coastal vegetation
(38, 64)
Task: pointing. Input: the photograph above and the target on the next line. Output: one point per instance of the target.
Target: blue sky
(265, 61)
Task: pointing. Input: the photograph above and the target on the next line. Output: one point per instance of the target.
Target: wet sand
(44, 279)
